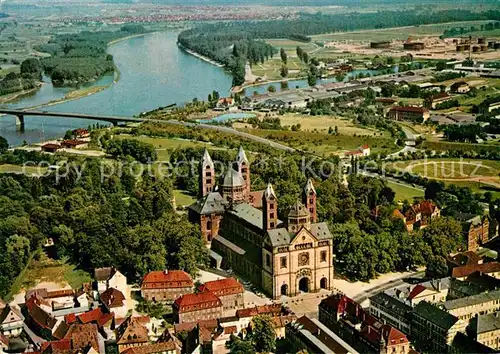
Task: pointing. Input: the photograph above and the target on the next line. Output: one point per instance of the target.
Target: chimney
(165, 271)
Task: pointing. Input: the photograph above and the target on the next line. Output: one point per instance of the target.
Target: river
(154, 72)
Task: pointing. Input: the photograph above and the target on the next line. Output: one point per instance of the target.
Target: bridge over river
(21, 114)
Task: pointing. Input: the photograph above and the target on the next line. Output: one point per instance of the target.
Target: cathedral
(280, 257)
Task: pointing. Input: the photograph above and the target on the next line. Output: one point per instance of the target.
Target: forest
(216, 41)
(121, 220)
(26, 79)
(82, 57)
(233, 49)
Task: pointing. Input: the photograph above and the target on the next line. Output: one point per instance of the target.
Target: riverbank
(18, 95)
(199, 56)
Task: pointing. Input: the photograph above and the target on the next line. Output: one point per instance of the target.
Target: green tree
(436, 268)
(284, 71)
(4, 145)
(311, 79)
(263, 335)
(271, 88)
(283, 55)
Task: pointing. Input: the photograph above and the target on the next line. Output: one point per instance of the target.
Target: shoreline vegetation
(199, 56)
(77, 93)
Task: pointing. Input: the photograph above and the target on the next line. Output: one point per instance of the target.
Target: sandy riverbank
(17, 95)
(199, 56)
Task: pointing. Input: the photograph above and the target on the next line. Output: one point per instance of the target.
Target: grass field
(323, 123)
(271, 68)
(395, 33)
(448, 146)
(29, 170)
(164, 145)
(49, 270)
(451, 168)
(404, 192)
(290, 46)
(182, 198)
(325, 145)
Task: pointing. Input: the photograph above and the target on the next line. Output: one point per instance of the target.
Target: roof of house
(435, 315)
(56, 347)
(466, 270)
(38, 315)
(168, 279)
(464, 258)
(472, 300)
(188, 326)
(112, 298)
(101, 274)
(192, 302)
(409, 109)
(488, 323)
(209, 204)
(391, 303)
(61, 330)
(439, 96)
(272, 309)
(131, 331)
(155, 348)
(418, 289)
(6, 311)
(468, 218)
(398, 214)
(83, 335)
(223, 287)
(51, 146)
(328, 342)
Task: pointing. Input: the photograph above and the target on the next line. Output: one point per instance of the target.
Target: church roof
(269, 192)
(233, 179)
(206, 160)
(309, 186)
(248, 213)
(281, 236)
(211, 203)
(298, 210)
(241, 155)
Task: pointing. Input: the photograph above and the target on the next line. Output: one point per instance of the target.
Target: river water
(154, 73)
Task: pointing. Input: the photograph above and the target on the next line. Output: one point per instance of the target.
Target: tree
(311, 79)
(237, 345)
(284, 57)
(4, 145)
(263, 335)
(31, 66)
(271, 88)
(284, 71)
(436, 268)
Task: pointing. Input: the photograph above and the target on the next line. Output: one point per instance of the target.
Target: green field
(325, 145)
(49, 270)
(401, 33)
(164, 145)
(451, 168)
(183, 199)
(29, 170)
(404, 192)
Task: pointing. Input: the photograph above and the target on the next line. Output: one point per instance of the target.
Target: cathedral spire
(269, 208)
(309, 199)
(242, 156)
(207, 160)
(244, 168)
(207, 174)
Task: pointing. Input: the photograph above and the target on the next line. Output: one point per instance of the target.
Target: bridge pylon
(20, 122)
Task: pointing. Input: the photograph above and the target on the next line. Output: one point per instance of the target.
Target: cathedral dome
(233, 179)
(298, 210)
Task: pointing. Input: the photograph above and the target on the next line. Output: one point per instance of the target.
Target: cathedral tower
(269, 208)
(207, 175)
(244, 169)
(309, 199)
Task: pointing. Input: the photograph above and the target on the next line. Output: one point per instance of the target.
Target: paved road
(389, 285)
